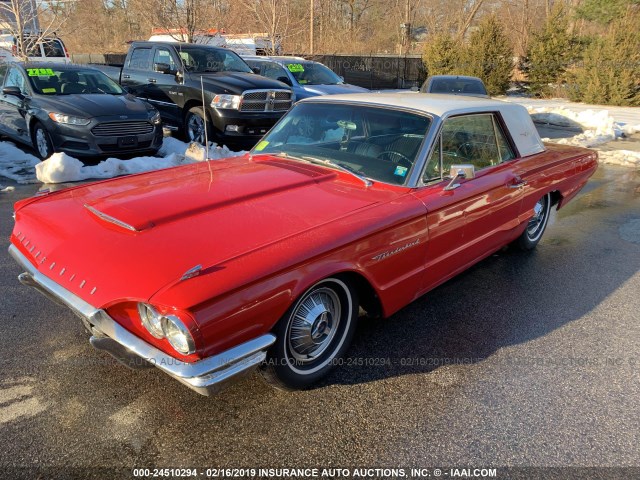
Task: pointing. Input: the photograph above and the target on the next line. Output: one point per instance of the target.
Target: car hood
(331, 89)
(94, 105)
(236, 82)
(128, 238)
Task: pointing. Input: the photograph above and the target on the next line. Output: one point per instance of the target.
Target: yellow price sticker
(261, 146)
(48, 90)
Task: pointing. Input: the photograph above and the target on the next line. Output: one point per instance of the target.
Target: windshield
(208, 59)
(454, 85)
(312, 73)
(61, 81)
(378, 143)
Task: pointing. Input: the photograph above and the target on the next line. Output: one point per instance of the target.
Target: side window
(474, 140)
(273, 70)
(53, 49)
(163, 55)
(15, 79)
(140, 59)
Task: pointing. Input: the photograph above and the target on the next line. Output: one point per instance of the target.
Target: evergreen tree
(604, 11)
(610, 70)
(489, 56)
(551, 52)
(444, 55)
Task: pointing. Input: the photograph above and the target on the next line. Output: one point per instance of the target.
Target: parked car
(74, 109)
(455, 85)
(306, 78)
(212, 269)
(47, 49)
(239, 106)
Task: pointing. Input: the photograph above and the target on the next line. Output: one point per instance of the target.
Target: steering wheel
(464, 150)
(395, 157)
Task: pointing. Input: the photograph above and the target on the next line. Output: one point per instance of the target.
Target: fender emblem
(389, 253)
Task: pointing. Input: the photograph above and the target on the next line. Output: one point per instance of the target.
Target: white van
(50, 49)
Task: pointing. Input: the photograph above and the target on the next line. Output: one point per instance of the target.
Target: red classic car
(368, 201)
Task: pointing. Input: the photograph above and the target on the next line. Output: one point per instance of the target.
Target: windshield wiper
(326, 163)
(337, 166)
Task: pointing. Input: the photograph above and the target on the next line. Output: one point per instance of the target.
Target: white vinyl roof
(516, 117)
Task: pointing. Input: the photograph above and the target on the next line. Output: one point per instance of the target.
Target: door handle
(126, 76)
(518, 184)
(152, 80)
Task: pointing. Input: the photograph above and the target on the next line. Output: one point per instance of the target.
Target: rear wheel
(314, 333)
(537, 224)
(42, 141)
(195, 126)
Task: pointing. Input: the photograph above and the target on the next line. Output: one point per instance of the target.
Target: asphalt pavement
(525, 360)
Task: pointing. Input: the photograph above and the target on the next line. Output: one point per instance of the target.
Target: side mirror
(460, 172)
(286, 80)
(15, 91)
(162, 68)
(256, 70)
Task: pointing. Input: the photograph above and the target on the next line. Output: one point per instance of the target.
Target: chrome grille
(117, 129)
(266, 101)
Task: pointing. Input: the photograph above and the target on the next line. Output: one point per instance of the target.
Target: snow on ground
(595, 125)
(25, 168)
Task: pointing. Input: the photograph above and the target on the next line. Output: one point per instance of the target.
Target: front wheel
(314, 333)
(196, 126)
(537, 224)
(42, 141)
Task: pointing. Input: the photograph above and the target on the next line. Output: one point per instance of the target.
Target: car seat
(71, 83)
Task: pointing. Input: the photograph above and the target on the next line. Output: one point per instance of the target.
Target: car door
(496, 190)
(163, 90)
(135, 72)
(470, 218)
(13, 108)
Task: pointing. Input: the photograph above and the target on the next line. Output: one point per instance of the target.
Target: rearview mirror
(162, 68)
(256, 70)
(15, 91)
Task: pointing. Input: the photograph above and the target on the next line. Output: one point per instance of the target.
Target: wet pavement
(524, 360)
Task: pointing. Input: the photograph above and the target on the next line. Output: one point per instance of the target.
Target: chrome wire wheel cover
(42, 143)
(195, 128)
(539, 220)
(314, 324)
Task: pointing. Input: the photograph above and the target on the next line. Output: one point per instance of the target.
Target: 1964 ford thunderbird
(358, 201)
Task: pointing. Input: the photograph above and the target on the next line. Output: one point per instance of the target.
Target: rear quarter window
(53, 49)
(140, 59)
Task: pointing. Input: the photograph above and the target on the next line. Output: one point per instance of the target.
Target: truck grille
(266, 101)
(118, 129)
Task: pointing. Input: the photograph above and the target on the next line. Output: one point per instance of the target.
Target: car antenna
(204, 114)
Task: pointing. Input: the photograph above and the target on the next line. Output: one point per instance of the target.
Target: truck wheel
(194, 123)
(42, 141)
(314, 333)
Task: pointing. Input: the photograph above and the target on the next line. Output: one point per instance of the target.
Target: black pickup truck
(240, 106)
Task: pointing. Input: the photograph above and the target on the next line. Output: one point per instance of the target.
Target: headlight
(156, 119)
(68, 119)
(151, 320)
(177, 334)
(226, 101)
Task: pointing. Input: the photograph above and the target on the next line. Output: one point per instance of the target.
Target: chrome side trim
(207, 376)
(109, 218)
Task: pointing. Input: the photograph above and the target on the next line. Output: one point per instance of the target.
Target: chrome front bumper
(207, 376)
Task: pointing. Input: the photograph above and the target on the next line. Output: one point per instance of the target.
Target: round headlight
(151, 320)
(177, 334)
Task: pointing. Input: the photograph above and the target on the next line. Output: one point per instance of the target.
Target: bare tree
(182, 19)
(22, 19)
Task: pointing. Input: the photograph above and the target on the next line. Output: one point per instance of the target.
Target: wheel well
(367, 295)
(556, 198)
(190, 104)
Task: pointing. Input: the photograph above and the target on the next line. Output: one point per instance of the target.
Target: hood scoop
(113, 220)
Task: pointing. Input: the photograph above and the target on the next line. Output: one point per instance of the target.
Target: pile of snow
(598, 126)
(625, 158)
(17, 165)
(25, 168)
(6, 189)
